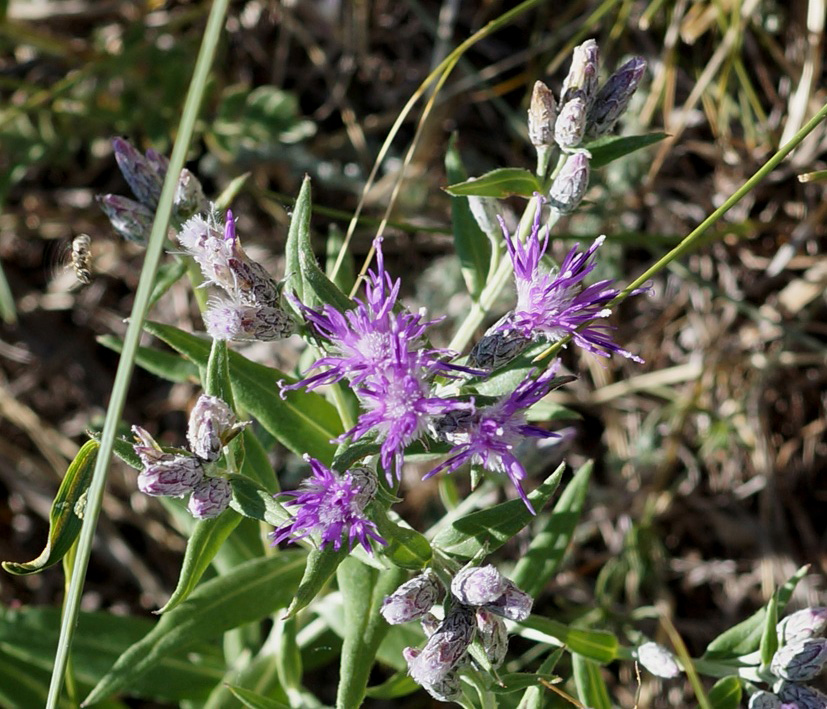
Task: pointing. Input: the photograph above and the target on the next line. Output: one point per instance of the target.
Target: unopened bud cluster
(251, 308)
(658, 660)
(145, 173)
(482, 597)
(212, 425)
(583, 112)
(800, 658)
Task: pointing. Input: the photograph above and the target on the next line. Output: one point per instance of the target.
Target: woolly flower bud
(514, 604)
(800, 661)
(801, 696)
(484, 210)
(498, 346)
(130, 219)
(802, 625)
(614, 95)
(145, 175)
(189, 196)
(445, 649)
(493, 635)
(444, 689)
(228, 320)
(764, 700)
(164, 474)
(212, 426)
(571, 123)
(658, 660)
(582, 76)
(478, 585)
(570, 185)
(210, 498)
(412, 600)
(541, 114)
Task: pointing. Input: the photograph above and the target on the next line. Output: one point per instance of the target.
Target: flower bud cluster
(481, 597)
(212, 425)
(145, 173)
(800, 658)
(658, 660)
(251, 309)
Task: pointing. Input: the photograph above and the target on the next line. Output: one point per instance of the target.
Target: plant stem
(126, 362)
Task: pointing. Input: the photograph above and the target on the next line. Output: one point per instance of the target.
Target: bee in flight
(82, 258)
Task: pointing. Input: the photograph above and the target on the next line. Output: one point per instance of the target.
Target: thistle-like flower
(553, 305)
(490, 436)
(328, 506)
(801, 696)
(514, 604)
(764, 700)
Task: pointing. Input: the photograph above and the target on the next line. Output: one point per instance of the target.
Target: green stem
(126, 363)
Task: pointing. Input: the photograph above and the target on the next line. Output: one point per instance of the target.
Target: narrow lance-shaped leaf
(321, 565)
(406, 547)
(66, 515)
(725, 693)
(166, 365)
(610, 148)
(502, 182)
(493, 527)
(591, 687)
(250, 699)
(598, 645)
(538, 564)
(471, 244)
(769, 638)
(248, 593)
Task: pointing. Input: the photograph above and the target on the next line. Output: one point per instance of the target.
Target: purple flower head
(551, 306)
(412, 600)
(210, 498)
(398, 405)
(164, 474)
(495, 431)
(328, 505)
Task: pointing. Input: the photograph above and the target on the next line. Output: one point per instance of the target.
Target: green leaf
(518, 681)
(245, 594)
(363, 590)
(533, 696)
(598, 645)
(547, 548)
(726, 693)
(502, 182)
(607, 149)
(202, 546)
(302, 422)
(591, 687)
(255, 701)
(217, 382)
(745, 637)
(8, 312)
(22, 685)
(256, 464)
(66, 515)
(471, 244)
(397, 686)
(168, 274)
(166, 365)
(231, 191)
(769, 638)
(493, 527)
(30, 635)
(406, 547)
(321, 565)
(252, 500)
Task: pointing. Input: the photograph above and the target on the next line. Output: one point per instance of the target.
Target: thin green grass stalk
(126, 363)
(8, 312)
(690, 240)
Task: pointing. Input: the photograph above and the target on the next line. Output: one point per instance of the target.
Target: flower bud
(614, 95)
(541, 114)
(493, 636)
(445, 649)
(429, 623)
(801, 660)
(571, 123)
(210, 498)
(570, 185)
(484, 210)
(802, 625)
(443, 689)
(582, 76)
(366, 484)
(189, 196)
(145, 175)
(801, 696)
(658, 660)
(412, 600)
(164, 474)
(497, 347)
(133, 221)
(228, 320)
(764, 700)
(478, 585)
(212, 426)
(453, 426)
(514, 604)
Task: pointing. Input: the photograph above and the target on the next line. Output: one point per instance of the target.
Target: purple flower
(328, 505)
(210, 498)
(551, 306)
(490, 436)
